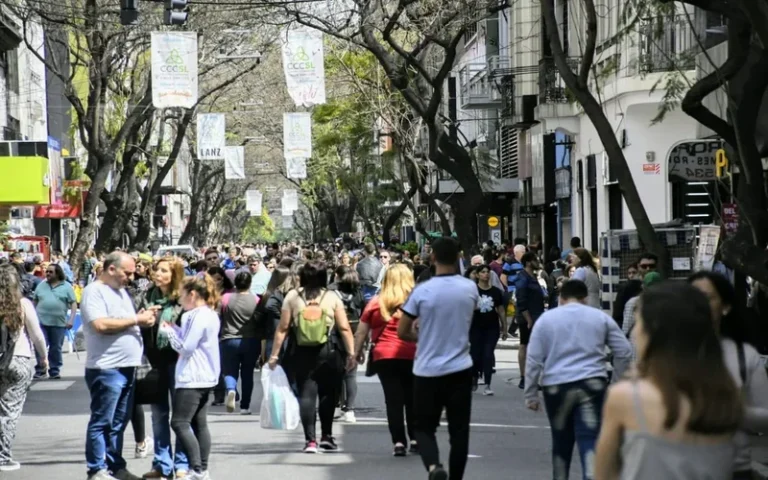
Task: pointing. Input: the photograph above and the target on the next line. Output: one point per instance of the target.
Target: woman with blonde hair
(163, 295)
(392, 357)
(19, 323)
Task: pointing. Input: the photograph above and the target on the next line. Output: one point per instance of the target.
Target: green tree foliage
(258, 229)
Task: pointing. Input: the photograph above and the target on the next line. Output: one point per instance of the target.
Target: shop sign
(730, 218)
(694, 161)
(530, 211)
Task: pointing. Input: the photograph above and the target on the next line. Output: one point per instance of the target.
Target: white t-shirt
(444, 306)
(115, 350)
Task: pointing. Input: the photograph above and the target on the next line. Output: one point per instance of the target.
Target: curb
(507, 346)
(759, 471)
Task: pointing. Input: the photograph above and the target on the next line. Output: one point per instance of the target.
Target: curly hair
(11, 313)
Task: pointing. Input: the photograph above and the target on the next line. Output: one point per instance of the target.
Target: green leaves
(259, 229)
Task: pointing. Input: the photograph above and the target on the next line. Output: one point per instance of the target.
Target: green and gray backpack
(312, 323)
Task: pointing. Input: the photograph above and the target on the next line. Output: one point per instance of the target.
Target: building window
(12, 70)
(615, 208)
(471, 32)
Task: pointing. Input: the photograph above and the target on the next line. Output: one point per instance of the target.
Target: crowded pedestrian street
(508, 441)
(373, 240)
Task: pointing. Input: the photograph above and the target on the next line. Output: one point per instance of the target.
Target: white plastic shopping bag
(279, 407)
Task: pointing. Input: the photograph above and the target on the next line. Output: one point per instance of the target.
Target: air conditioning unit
(608, 179)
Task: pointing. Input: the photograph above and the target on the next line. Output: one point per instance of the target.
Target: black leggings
(396, 378)
(138, 423)
(316, 376)
(454, 393)
(190, 423)
(482, 348)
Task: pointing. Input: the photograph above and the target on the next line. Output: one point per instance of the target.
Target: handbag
(151, 383)
(370, 369)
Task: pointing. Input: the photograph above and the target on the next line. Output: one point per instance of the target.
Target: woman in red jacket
(392, 357)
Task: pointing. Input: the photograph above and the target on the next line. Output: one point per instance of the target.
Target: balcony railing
(476, 87)
(552, 88)
(667, 44)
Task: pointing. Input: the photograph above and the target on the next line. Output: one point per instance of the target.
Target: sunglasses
(647, 266)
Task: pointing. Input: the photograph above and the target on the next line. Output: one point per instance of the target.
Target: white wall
(634, 113)
(32, 105)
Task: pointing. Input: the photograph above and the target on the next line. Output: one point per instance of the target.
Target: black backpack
(7, 346)
(353, 305)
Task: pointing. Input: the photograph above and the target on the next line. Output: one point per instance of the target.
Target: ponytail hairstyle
(204, 287)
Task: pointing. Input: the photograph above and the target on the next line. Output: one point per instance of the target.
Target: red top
(384, 335)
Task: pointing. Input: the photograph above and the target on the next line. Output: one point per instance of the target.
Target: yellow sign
(493, 222)
(721, 163)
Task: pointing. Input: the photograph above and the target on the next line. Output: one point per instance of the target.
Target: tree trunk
(580, 88)
(89, 220)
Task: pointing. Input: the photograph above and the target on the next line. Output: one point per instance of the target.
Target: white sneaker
(231, 399)
(143, 449)
(101, 475)
(245, 411)
(488, 392)
(349, 417)
(9, 466)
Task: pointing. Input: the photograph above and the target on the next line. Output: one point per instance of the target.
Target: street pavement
(507, 441)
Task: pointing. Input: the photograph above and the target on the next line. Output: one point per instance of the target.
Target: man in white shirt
(114, 349)
(443, 307)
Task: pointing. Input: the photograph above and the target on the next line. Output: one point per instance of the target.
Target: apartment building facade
(567, 186)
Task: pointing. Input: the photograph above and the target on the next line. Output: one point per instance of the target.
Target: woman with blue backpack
(317, 362)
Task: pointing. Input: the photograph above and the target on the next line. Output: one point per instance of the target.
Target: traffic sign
(493, 222)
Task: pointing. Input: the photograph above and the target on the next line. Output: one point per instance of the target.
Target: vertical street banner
(296, 168)
(303, 66)
(211, 136)
(253, 202)
(234, 163)
(174, 69)
(297, 135)
(290, 202)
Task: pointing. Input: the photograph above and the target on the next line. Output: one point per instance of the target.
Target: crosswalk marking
(51, 386)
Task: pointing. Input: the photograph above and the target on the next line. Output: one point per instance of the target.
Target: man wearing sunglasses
(648, 263)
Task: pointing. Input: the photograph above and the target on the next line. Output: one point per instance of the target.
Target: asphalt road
(508, 441)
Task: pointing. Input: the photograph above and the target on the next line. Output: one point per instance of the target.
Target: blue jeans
(54, 337)
(239, 357)
(165, 461)
(574, 410)
(111, 407)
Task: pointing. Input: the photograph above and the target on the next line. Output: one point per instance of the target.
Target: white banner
(296, 167)
(286, 207)
(174, 69)
(211, 136)
(303, 66)
(253, 201)
(287, 222)
(255, 213)
(297, 135)
(234, 163)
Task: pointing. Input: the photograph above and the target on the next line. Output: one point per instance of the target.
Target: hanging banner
(303, 66)
(253, 213)
(234, 163)
(174, 69)
(285, 206)
(709, 236)
(211, 136)
(253, 201)
(297, 135)
(296, 168)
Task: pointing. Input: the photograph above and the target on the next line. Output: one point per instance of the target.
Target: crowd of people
(183, 333)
